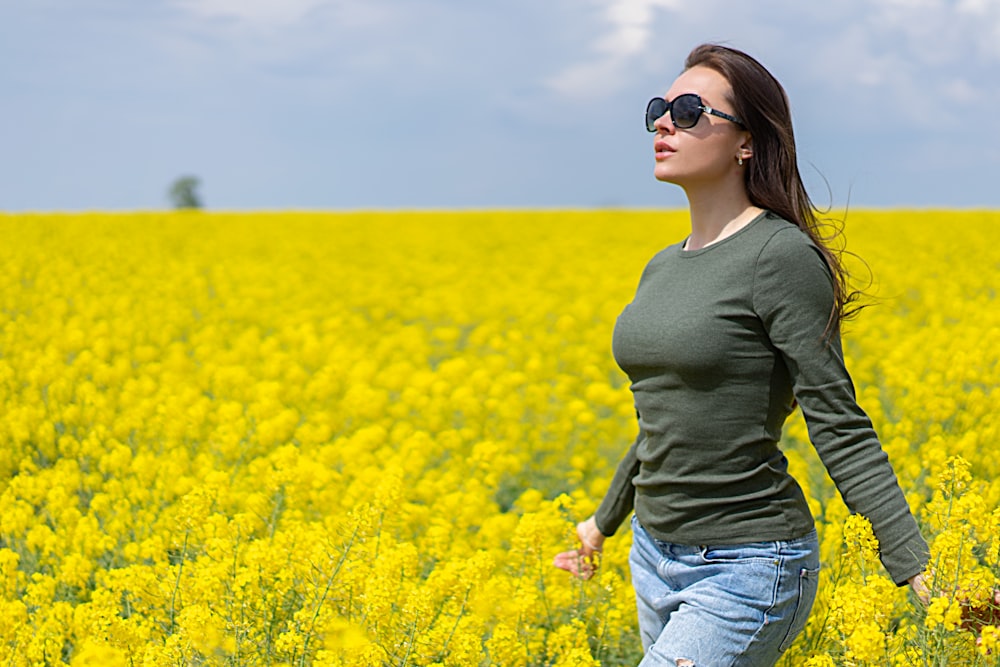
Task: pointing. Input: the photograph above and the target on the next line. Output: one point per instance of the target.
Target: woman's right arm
(620, 499)
(615, 507)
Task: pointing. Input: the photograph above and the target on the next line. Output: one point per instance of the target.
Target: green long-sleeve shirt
(716, 343)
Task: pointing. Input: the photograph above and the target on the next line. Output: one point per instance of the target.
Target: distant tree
(184, 192)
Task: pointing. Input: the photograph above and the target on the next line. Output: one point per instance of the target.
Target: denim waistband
(676, 549)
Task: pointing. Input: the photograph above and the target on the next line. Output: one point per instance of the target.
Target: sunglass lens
(685, 111)
(654, 111)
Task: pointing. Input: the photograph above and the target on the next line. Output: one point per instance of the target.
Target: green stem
(326, 591)
(177, 583)
(461, 613)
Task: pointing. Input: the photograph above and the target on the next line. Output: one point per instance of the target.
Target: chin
(664, 177)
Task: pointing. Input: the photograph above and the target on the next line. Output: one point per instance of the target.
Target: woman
(727, 330)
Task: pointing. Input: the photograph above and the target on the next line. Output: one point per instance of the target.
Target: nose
(665, 123)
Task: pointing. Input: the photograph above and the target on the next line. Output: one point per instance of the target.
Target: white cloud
(942, 31)
(253, 11)
(587, 79)
(898, 48)
(276, 14)
(985, 14)
(630, 22)
(627, 30)
(894, 54)
(961, 90)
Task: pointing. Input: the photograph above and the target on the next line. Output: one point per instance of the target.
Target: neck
(717, 214)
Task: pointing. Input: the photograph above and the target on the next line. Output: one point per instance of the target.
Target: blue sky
(390, 104)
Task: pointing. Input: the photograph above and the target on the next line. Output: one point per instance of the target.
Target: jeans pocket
(758, 552)
(808, 584)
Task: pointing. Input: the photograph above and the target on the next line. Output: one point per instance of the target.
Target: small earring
(739, 160)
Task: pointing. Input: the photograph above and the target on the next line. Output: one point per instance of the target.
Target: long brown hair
(772, 176)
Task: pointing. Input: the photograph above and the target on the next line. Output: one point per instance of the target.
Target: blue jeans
(721, 604)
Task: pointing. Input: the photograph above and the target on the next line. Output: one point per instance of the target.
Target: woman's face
(706, 153)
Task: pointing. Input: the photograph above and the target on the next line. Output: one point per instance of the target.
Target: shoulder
(786, 249)
(790, 271)
(662, 258)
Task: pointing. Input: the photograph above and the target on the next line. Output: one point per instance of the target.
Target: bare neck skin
(718, 211)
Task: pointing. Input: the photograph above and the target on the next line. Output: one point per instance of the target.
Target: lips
(663, 149)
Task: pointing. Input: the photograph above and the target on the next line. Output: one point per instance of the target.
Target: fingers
(582, 562)
(576, 563)
(590, 537)
(976, 618)
(919, 586)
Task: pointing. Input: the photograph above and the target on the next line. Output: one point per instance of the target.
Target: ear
(746, 148)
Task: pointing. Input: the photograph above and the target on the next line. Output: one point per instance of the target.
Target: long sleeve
(619, 499)
(793, 296)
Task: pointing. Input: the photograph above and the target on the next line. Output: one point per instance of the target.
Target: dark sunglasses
(685, 110)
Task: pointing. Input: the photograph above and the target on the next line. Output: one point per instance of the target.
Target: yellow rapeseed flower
(360, 438)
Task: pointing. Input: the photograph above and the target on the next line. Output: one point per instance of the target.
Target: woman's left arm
(793, 296)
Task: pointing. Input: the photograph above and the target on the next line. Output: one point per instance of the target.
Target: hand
(972, 619)
(975, 619)
(582, 562)
(919, 587)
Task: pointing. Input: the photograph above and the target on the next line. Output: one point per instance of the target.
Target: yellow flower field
(360, 439)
